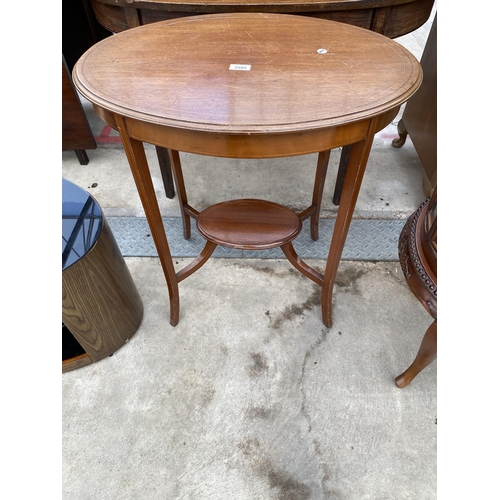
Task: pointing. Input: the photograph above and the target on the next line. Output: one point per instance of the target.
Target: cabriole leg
(425, 356)
(403, 134)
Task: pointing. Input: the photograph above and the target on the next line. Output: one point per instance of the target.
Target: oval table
(248, 85)
(392, 18)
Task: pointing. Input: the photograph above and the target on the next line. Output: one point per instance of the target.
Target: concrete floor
(250, 396)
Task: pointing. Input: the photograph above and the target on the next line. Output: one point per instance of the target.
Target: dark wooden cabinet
(80, 30)
(419, 119)
(76, 132)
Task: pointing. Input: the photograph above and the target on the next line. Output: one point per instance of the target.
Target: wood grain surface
(177, 73)
(100, 302)
(249, 224)
(392, 18)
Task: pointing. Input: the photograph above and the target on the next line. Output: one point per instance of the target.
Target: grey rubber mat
(373, 240)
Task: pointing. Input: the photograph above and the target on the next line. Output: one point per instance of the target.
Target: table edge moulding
(182, 94)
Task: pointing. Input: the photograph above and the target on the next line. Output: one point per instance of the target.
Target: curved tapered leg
(352, 183)
(136, 156)
(207, 251)
(300, 265)
(403, 134)
(425, 356)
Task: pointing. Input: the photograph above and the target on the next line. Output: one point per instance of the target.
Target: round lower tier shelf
(249, 224)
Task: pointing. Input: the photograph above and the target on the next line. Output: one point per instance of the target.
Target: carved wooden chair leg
(166, 171)
(425, 356)
(417, 250)
(403, 134)
(344, 160)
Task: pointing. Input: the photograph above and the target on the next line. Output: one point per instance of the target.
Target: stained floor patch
(296, 310)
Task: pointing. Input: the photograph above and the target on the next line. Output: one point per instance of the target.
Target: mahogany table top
(291, 73)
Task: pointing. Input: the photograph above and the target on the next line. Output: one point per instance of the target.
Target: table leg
(319, 184)
(136, 156)
(403, 133)
(166, 171)
(425, 356)
(344, 160)
(175, 162)
(356, 166)
(81, 154)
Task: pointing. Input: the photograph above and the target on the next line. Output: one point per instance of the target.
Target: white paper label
(240, 67)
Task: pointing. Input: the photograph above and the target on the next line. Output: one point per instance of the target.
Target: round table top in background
(301, 73)
(392, 18)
